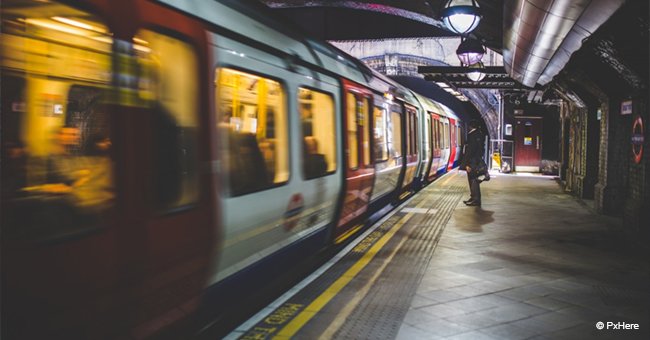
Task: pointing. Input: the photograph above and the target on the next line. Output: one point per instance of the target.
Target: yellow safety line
(343, 314)
(308, 313)
(347, 234)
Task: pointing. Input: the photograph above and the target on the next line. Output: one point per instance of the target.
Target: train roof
(253, 21)
(335, 60)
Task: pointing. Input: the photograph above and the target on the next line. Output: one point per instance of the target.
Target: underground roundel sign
(637, 139)
(294, 208)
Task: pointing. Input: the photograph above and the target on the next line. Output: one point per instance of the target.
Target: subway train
(162, 161)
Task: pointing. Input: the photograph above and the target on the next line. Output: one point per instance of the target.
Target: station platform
(531, 263)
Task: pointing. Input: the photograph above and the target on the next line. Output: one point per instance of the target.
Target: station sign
(637, 139)
(626, 107)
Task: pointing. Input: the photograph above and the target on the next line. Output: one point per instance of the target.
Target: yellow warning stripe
(347, 234)
(344, 313)
(308, 313)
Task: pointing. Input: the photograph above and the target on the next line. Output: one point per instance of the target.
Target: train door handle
(537, 142)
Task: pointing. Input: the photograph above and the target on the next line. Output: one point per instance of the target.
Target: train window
(414, 134)
(57, 169)
(434, 129)
(253, 123)
(443, 143)
(353, 147)
(396, 129)
(170, 65)
(452, 139)
(319, 142)
(365, 126)
(411, 131)
(446, 131)
(379, 129)
(432, 137)
(407, 129)
(435, 132)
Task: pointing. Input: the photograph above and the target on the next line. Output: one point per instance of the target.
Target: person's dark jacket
(473, 150)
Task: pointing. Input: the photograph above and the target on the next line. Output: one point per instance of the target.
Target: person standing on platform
(472, 161)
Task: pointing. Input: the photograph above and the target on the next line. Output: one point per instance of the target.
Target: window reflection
(253, 129)
(319, 144)
(57, 171)
(169, 81)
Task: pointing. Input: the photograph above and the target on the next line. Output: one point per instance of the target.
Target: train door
(410, 146)
(388, 164)
(359, 167)
(261, 199)
(528, 144)
(173, 212)
(435, 145)
(444, 140)
(452, 143)
(426, 147)
(457, 142)
(279, 168)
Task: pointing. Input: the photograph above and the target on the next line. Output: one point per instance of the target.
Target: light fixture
(470, 51)
(461, 16)
(476, 72)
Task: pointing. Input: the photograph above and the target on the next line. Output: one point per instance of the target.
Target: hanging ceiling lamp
(476, 72)
(470, 51)
(461, 16)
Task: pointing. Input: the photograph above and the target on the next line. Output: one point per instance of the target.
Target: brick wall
(600, 190)
(637, 189)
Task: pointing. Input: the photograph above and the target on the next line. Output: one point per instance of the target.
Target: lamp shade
(476, 72)
(470, 51)
(461, 16)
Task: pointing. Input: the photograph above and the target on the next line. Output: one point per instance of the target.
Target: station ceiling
(616, 47)
(363, 19)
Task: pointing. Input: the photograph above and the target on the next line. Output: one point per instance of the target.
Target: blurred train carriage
(161, 158)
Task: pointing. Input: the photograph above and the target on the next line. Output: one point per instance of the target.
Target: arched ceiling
(615, 58)
(519, 29)
(364, 19)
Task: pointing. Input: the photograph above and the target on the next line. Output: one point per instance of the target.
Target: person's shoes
(473, 203)
(467, 201)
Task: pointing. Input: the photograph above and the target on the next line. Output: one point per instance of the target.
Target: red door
(359, 171)
(174, 221)
(528, 144)
(436, 145)
(452, 145)
(411, 149)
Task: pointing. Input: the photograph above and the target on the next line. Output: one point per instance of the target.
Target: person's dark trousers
(474, 188)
